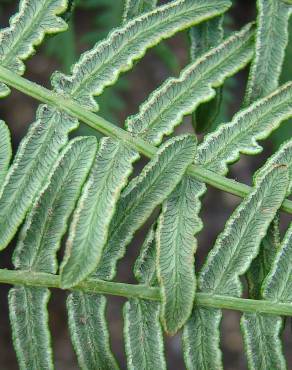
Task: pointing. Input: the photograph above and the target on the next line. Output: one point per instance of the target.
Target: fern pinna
(81, 190)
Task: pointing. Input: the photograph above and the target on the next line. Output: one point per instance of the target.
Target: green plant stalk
(29, 278)
(108, 129)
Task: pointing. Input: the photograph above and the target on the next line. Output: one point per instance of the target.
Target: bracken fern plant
(82, 192)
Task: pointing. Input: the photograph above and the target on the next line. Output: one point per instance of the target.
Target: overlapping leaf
(231, 256)
(102, 65)
(143, 194)
(180, 96)
(26, 30)
(89, 228)
(271, 42)
(142, 329)
(36, 250)
(33, 162)
(5, 150)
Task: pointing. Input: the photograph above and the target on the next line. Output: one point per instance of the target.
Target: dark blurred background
(90, 22)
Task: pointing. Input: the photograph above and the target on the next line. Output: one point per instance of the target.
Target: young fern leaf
(142, 329)
(102, 65)
(133, 8)
(271, 42)
(5, 150)
(89, 331)
(143, 194)
(261, 331)
(33, 162)
(176, 247)
(89, 228)
(27, 29)
(180, 96)
(231, 256)
(202, 38)
(36, 250)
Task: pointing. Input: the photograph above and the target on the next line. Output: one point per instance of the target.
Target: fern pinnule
(271, 41)
(89, 331)
(26, 30)
(176, 246)
(177, 97)
(230, 258)
(102, 65)
(143, 194)
(142, 329)
(5, 150)
(36, 250)
(204, 37)
(32, 164)
(89, 228)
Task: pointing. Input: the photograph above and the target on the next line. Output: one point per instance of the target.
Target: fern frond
(102, 65)
(177, 97)
(203, 37)
(176, 246)
(5, 150)
(27, 30)
(133, 8)
(143, 194)
(247, 127)
(33, 162)
(89, 228)
(36, 250)
(271, 42)
(231, 256)
(142, 329)
(89, 331)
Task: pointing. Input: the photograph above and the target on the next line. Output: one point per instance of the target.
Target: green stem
(100, 124)
(39, 279)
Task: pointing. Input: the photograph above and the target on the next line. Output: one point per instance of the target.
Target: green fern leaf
(89, 331)
(203, 37)
(176, 247)
(142, 329)
(133, 8)
(33, 162)
(5, 150)
(261, 332)
(249, 125)
(262, 343)
(167, 105)
(230, 258)
(143, 335)
(271, 42)
(46, 223)
(29, 320)
(102, 65)
(145, 265)
(261, 265)
(36, 250)
(143, 194)
(89, 228)
(27, 29)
